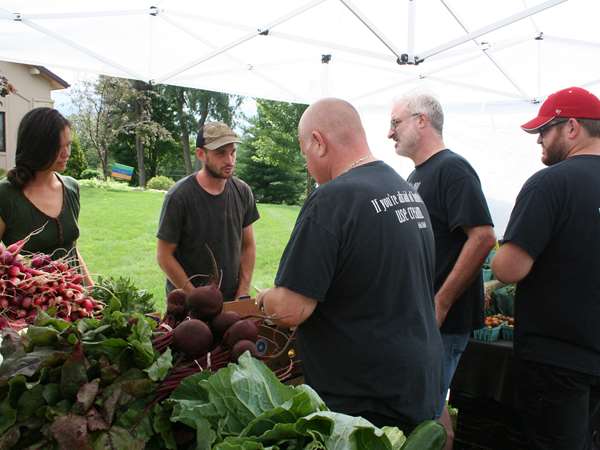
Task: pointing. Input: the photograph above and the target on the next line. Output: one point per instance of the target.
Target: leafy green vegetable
(128, 297)
(160, 368)
(244, 406)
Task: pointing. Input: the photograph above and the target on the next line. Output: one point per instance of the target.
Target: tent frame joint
(404, 59)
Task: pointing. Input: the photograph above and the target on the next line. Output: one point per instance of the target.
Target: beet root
(176, 307)
(221, 323)
(205, 302)
(193, 338)
(244, 329)
(241, 346)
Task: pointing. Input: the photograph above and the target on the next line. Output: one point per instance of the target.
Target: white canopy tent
(483, 59)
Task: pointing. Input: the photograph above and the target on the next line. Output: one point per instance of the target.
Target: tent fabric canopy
(488, 61)
(300, 50)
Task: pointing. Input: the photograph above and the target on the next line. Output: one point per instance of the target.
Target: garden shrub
(160, 183)
(89, 174)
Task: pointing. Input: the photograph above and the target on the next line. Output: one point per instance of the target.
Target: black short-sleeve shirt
(452, 192)
(363, 248)
(556, 220)
(192, 217)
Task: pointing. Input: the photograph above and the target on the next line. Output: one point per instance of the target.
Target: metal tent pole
(492, 27)
(262, 31)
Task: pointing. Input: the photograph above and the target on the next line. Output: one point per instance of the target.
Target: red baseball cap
(572, 102)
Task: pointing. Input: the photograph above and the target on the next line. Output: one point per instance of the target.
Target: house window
(2, 131)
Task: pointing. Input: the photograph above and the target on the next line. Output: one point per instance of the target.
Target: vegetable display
(100, 372)
(91, 384)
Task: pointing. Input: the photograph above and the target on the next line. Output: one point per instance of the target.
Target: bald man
(356, 278)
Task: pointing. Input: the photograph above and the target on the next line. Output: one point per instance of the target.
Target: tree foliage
(146, 126)
(270, 159)
(77, 162)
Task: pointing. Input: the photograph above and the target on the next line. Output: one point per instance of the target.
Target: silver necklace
(357, 162)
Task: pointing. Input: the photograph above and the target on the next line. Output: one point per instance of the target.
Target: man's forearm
(174, 272)
(247, 261)
(467, 266)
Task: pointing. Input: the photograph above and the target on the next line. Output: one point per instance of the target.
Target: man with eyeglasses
(461, 221)
(551, 249)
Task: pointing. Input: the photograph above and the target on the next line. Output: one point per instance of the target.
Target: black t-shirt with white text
(556, 220)
(450, 188)
(363, 248)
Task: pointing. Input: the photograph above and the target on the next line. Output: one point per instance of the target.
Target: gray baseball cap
(214, 135)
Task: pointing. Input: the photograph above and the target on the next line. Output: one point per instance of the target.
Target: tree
(94, 119)
(77, 162)
(270, 159)
(193, 107)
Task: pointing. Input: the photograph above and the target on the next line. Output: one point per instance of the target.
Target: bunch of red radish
(30, 283)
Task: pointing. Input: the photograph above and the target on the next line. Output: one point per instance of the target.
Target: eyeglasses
(545, 128)
(395, 122)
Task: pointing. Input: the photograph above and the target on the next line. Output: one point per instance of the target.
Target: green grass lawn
(118, 237)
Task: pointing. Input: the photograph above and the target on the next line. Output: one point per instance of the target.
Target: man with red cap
(551, 250)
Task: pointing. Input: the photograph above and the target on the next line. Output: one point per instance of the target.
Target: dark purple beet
(205, 302)
(244, 329)
(193, 338)
(176, 304)
(241, 346)
(222, 322)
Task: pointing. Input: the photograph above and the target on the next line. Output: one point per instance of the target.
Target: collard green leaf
(304, 402)
(395, 436)
(160, 368)
(353, 433)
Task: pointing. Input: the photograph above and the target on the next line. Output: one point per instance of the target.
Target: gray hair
(425, 104)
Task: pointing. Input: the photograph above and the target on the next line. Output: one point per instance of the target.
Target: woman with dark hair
(34, 195)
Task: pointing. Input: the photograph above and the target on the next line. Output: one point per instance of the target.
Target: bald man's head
(336, 120)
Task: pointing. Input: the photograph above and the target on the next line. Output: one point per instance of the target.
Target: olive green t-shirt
(22, 217)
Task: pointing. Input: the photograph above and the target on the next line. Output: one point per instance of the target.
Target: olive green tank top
(21, 217)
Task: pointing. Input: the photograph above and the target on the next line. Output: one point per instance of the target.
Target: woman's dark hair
(38, 144)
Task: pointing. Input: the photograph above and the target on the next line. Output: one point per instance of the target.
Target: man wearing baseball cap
(210, 207)
(551, 250)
